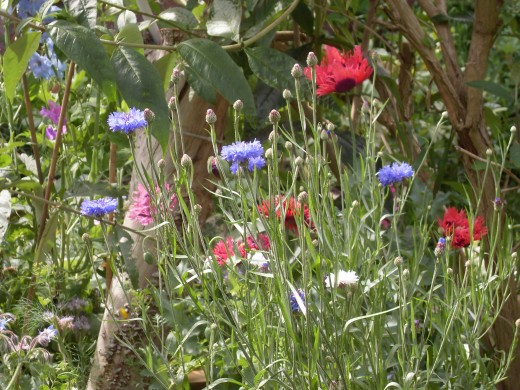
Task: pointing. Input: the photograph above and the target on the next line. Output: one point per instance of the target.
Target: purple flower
(99, 207)
(127, 122)
(295, 307)
(241, 152)
(47, 65)
(46, 335)
(394, 173)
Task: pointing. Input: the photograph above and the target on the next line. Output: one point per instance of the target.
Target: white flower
(342, 280)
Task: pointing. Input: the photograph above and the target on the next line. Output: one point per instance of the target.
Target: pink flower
(53, 113)
(340, 72)
(142, 210)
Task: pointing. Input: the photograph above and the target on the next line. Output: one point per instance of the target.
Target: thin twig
(478, 158)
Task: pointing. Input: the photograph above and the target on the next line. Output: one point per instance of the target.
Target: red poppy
(340, 72)
(226, 249)
(456, 225)
(291, 207)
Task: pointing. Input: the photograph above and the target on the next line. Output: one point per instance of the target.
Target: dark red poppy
(455, 224)
(340, 72)
(291, 207)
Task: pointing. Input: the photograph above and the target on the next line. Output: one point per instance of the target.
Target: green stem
(14, 379)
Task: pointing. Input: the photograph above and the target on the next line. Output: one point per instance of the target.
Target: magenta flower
(142, 210)
(53, 113)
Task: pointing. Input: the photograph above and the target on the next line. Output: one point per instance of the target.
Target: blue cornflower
(295, 307)
(127, 122)
(394, 173)
(240, 152)
(99, 207)
(440, 249)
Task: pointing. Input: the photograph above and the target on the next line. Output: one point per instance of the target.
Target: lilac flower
(127, 122)
(295, 307)
(99, 207)
(46, 335)
(394, 173)
(66, 322)
(80, 323)
(240, 152)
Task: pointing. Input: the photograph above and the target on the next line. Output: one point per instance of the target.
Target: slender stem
(55, 152)
(30, 119)
(111, 179)
(14, 379)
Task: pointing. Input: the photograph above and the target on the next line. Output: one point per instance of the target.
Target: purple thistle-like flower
(46, 335)
(295, 307)
(394, 173)
(127, 122)
(99, 207)
(241, 152)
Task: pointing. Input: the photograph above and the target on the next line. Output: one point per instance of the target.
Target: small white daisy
(342, 280)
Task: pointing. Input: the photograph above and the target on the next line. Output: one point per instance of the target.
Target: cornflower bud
(274, 117)
(238, 105)
(171, 103)
(330, 126)
(287, 94)
(86, 238)
(176, 76)
(161, 164)
(186, 161)
(288, 145)
(272, 136)
(298, 161)
(149, 115)
(211, 117)
(513, 129)
(297, 71)
(398, 261)
(312, 60)
(303, 197)
(269, 154)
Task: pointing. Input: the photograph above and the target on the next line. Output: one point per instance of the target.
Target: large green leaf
(492, 88)
(82, 46)
(224, 19)
(16, 59)
(85, 11)
(272, 67)
(181, 17)
(130, 34)
(141, 86)
(211, 70)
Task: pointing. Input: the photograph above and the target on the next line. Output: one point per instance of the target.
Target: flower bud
(238, 105)
(269, 154)
(86, 238)
(355, 204)
(444, 114)
(186, 161)
(197, 209)
(161, 164)
(213, 167)
(398, 261)
(289, 146)
(211, 117)
(312, 60)
(303, 197)
(176, 76)
(513, 129)
(517, 323)
(297, 71)
(315, 242)
(172, 106)
(330, 126)
(272, 136)
(298, 161)
(324, 135)
(274, 117)
(287, 94)
(149, 115)
(450, 271)
(406, 273)
(489, 152)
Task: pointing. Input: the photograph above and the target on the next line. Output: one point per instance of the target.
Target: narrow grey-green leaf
(82, 46)
(224, 19)
(272, 67)
(210, 68)
(141, 86)
(16, 59)
(84, 11)
(180, 16)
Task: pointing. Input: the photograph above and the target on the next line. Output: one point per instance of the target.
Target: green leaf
(492, 88)
(84, 11)
(210, 69)
(224, 19)
(272, 67)
(130, 34)
(180, 17)
(141, 86)
(82, 46)
(16, 59)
